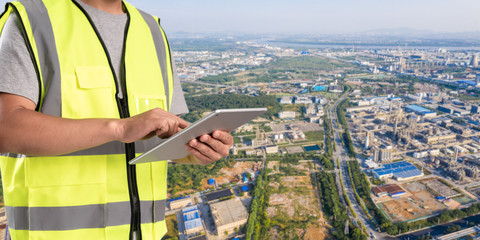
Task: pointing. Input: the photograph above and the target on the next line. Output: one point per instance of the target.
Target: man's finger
(206, 150)
(182, 123)
(204, 160)
(223, 136)
(217, 145)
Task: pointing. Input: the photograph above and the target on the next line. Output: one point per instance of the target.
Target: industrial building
(392, 190)
(452, 110)
(286, 114)
(442, 137)
(420, 110)
(180, 203)
(271, 149)
(229, 215)
(383, 154)
(215, 196)
(401, 171)
(192, 221)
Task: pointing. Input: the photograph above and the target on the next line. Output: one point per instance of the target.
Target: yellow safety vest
(93, 193)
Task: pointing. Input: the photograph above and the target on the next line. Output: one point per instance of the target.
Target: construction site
(294, 199)
(238, 173)
(420, 199)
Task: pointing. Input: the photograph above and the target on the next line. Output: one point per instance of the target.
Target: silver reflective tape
(159, 210)
(152, 211)
(118, 213)
(160, 46)
(47, 56)
(16, 217)
(81, 217)
(67, 218)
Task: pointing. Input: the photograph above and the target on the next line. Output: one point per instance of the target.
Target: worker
(85, 86)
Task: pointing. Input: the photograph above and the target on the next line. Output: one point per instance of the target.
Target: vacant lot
(233, 174)
(420, 203)
(293, 202)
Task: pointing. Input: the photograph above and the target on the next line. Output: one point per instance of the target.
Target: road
(440, 229)
(341, 154)
(204, 83)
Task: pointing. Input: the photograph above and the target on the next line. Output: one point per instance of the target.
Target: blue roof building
(418, 110)
(319, 88)
(399, 170)
(304, 91)
(191, 219)
(211, 181)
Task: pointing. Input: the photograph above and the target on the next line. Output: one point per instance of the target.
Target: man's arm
(25, 131)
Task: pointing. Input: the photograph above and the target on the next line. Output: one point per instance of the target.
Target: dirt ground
(315, 233)
(297, 201)
(272, 164)
(420, 203)
(228, 175)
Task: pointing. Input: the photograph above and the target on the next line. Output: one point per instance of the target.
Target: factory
(400, 171)
(192, 221)
(228, 215)
(392, 190)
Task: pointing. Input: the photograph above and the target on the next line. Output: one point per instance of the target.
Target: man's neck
(110, 6)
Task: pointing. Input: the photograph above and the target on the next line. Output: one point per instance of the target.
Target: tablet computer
(174, 147)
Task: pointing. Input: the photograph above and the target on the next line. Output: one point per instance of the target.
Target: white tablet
(174, 147)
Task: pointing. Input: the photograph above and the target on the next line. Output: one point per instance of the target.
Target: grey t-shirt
(17, 73)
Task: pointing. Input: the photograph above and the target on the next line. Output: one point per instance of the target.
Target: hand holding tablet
(174, 147)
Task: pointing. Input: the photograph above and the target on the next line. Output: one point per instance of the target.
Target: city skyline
(313, 17)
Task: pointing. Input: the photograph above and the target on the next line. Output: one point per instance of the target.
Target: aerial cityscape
(365, 141)
(372, 129)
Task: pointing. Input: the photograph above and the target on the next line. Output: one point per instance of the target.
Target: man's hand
(148, 124)
(22, 130)
(209, 148)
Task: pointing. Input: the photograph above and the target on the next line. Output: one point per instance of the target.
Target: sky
(312, 16)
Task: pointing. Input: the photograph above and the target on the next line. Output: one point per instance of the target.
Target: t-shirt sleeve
(178, 106)
(17, 73)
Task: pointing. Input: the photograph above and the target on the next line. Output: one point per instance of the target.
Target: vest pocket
(90, 93)
(144, 103)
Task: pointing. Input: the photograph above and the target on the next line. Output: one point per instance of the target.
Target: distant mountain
(418, 33)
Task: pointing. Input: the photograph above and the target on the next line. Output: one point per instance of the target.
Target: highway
(340, 153)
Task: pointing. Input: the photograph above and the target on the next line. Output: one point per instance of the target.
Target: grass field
(172, 227)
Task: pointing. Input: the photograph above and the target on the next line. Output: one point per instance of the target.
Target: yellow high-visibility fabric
(88, 90)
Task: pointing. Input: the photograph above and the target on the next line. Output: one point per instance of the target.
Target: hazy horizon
(313, 17)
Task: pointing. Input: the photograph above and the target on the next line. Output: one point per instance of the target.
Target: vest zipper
(122, 104)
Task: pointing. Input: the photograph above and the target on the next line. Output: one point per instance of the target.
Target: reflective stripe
(160, 46)
(47, 56)
(81, 217)
(12, 155)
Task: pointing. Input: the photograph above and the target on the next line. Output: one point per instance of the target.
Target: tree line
(258, 222)
(335, 210)
(184, 177)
